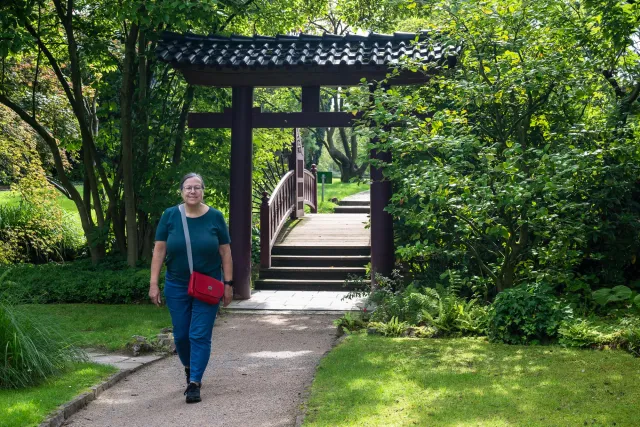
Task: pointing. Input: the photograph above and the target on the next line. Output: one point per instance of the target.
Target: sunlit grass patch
(30, 406)
(104, 326)
(373, 381)
(338, 190)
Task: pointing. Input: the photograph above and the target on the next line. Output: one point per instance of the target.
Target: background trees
(528, 170)
(124, 114)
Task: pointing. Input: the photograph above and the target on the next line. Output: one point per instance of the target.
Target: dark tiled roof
(302, 50)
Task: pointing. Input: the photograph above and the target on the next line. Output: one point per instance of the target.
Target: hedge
(110, 282)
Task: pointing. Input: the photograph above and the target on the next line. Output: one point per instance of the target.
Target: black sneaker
(193, 393)
(187, 373)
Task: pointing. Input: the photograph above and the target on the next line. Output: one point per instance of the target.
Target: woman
(192, 319)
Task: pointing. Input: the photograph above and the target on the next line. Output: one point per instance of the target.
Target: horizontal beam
(296, 76)
(276, 120)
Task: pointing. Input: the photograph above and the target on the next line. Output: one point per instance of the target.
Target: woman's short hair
(191, 175)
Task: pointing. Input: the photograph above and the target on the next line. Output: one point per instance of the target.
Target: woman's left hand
(228, 295)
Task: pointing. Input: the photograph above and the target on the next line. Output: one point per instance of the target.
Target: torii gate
(309, 62)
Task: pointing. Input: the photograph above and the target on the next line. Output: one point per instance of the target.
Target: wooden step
(354, 203)
(308, 285)
(312, 273)
(312, 250)
(352, 209)
(319, 261)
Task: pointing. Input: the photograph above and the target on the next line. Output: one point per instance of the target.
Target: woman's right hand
(154, 294)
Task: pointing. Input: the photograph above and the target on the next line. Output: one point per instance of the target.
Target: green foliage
(30, 352)
(408, 304)
(37, 231)
(623, 333)
(349, 323)
(526, 170)
(392, 328)
(526, 314)
(441, 309)
(618, 293)
(110, 282)
(456, 316)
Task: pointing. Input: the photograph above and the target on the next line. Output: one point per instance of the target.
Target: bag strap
(186, 236)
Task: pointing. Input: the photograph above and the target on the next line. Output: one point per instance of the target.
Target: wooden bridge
(319, 252)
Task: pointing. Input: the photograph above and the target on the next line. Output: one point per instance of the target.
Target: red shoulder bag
(205, 288)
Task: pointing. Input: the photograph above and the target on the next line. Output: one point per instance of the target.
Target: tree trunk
(126, 119)
(182, 121)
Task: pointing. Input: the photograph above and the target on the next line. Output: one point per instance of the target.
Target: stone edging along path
(127, 366)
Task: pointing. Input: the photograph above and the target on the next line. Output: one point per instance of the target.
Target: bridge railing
(277, 208)
(274, 212)
(310, 190)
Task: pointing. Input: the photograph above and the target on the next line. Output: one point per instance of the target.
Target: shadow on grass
(377, 381)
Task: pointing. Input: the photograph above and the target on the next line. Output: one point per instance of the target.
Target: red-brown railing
(311, 189)
(275, 210)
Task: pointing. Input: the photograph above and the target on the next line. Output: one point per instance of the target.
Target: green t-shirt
(207, 233)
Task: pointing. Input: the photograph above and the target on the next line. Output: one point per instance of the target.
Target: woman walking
(192, 318)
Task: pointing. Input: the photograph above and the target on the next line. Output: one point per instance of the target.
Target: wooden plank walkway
(327, 230)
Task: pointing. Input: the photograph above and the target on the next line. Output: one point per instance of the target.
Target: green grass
(374, 381)
(13, 198)
(102, 326)
(338, 190)
(30, 406)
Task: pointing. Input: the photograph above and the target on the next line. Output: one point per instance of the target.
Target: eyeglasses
(196, 188)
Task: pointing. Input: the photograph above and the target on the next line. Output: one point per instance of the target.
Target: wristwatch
(228, 283)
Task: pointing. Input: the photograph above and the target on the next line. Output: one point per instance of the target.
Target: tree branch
(608, 75)
(234, 14)
(51, 59)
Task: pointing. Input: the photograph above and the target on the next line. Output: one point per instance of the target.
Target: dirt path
(260, 368)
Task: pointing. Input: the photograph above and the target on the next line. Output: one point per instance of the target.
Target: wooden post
(265, 232)
(314, 171)
(297, 156)
(241, 178)
(310, 99)
(382, 248)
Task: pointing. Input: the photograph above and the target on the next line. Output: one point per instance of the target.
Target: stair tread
(306, 280)
(315, 245)
(312, 268)
(322, 256)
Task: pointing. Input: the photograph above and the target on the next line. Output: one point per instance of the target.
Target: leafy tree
(130, 111)
(527, 148)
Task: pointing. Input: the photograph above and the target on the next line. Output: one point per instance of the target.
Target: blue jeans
(192, 327)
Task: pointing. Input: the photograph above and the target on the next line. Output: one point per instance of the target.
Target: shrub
(526, 314)
(349, 323)
(36, 233)
(441, 309)
(456, 315)
(110, 282)
(30, 353)
(392, 328)
(623, 333)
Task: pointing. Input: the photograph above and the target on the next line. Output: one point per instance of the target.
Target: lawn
(30, 406)
(85, 325)
(102, 326)
(12, 197)
(338, 190)
(375, 381)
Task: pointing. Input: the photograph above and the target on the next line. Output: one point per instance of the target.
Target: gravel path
(259, 370)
